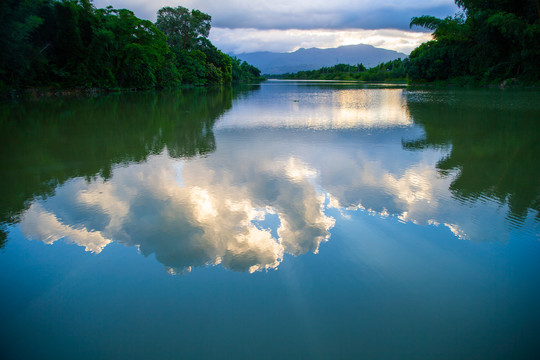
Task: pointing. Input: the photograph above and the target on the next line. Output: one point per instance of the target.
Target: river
(286, 220)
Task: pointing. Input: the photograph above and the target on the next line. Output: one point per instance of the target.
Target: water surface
(282, 220)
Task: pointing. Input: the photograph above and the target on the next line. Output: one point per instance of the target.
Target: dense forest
(71, 43)
(487, 42)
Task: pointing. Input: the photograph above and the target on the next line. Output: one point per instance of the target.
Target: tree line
(394, 70)
(487, 41)
(71, 43)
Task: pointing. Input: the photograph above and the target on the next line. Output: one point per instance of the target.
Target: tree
(183, 28)
(19, 22)
(199, 61)
(490, 41)
(141, 57)
(70, 43)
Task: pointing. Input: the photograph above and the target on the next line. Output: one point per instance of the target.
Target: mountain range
(273, 63)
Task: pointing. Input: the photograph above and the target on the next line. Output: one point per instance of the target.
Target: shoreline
(36, 93)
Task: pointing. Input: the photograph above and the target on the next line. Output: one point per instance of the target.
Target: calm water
(290, 220)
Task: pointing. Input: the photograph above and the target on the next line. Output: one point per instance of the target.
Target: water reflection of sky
(310, 107)
(268, 190)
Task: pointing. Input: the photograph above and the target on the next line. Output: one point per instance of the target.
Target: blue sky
(284, 25)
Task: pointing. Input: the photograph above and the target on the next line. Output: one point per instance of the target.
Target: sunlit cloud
(237, 41)
(240, 26)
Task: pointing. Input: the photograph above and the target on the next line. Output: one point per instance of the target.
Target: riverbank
(466, 82)
(49, 92)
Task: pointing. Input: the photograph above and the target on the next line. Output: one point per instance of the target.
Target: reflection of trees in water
(494, 143)
(46, 142)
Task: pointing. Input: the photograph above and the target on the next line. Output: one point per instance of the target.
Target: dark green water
(289, 220)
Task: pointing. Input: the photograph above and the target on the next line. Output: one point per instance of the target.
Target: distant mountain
(311, 59)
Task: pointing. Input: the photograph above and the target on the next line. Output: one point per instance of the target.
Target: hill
(311, 59)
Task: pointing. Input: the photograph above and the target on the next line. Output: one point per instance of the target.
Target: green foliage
(489, 42)
(183, 28)
(70, 43)
(191, 66)
(199, 61)
(19, 22)
(244, 72)
(393, 70)
(449, 28)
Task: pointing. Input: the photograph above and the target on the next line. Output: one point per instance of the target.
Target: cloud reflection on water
(211, 210)
(207, 211)
(209, 217)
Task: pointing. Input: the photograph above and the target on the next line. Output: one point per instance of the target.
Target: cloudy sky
(282, 25)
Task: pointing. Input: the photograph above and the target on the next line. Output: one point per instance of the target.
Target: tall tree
(198, 60)
(183, 28)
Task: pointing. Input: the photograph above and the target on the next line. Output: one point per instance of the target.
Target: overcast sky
(284, 25)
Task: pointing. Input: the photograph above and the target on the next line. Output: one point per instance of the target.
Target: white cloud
(237, 41)
(282, 25)
(300, 14)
